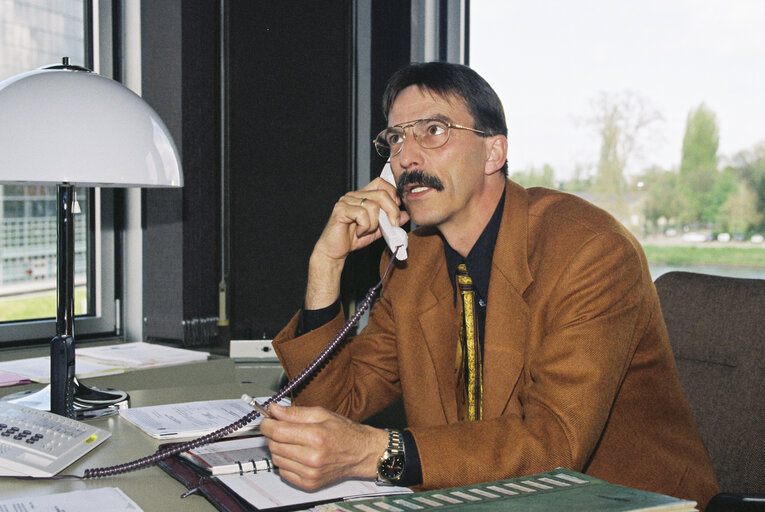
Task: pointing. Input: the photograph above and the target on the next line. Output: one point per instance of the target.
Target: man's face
(442, 187)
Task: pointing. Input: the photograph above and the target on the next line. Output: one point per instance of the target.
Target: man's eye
(435, 129)
(393, 138)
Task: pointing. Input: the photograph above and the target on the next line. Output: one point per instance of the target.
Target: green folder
(556, 490)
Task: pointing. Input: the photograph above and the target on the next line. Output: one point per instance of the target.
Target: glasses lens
(431, 133)
(389, 141)
(382, 149)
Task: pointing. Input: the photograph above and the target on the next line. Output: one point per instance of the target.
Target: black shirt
(478, 263)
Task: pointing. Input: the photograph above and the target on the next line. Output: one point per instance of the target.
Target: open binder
(262, 490)
(198, 482)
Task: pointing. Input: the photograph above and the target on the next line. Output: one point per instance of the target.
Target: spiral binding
(165, 452)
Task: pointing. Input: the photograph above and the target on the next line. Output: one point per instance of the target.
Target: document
(266, 490)
(107, 360)
(38, 368)
(137, 355)
(93, 500)
(191, 419)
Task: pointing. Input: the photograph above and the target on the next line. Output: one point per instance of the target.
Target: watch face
(392, 467)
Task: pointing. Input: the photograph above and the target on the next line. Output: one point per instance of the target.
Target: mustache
(417, 176)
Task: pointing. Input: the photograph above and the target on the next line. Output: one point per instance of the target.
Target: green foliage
(739, 212)
(581, 182)
(725, 187)
(533, 177)
(695, 194)
(661, 197)
(700, 142)
(698, 165)
(749, 167)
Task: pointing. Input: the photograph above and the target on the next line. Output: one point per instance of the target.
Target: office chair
(716, 328)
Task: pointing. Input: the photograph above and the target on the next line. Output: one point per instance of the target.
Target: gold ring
(362, 202)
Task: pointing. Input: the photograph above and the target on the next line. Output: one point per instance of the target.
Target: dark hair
(448, 79)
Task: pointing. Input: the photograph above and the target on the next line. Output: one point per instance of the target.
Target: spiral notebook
(239, 455)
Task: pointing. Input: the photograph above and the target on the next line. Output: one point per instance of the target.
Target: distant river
(749, 273)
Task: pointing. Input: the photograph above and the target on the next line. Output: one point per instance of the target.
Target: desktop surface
(151, 488)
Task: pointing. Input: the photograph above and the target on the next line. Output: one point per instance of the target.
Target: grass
(726, 256)
(36, 306)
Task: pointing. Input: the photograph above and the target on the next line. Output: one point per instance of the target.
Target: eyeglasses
(429, 133)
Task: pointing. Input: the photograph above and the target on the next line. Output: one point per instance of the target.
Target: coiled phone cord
(164, 453)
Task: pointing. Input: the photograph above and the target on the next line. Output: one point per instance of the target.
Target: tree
(698, 164)
(749, 166)
(660, 197)
(739, 212)
(621, 120)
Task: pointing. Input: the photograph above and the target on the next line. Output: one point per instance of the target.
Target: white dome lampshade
(65, 124)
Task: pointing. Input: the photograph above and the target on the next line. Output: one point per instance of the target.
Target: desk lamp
(64, 125)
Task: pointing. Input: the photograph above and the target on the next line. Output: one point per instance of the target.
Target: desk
(151, 488)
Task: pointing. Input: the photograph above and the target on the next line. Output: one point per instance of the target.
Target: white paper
(38, 368)
(140, 355)
(191, 419)
(107, 360)
(267, 490)
(92, 500)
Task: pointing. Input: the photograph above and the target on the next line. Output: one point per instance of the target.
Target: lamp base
(95, 402)
(89, 402)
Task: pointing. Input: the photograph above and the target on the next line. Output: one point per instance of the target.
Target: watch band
(390, 467)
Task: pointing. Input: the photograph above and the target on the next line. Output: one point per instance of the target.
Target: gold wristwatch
(390, 467)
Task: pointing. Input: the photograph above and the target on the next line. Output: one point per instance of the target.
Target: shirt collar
(478, 261)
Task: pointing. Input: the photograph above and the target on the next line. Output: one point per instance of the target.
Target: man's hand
(313, 447)
(352, 225)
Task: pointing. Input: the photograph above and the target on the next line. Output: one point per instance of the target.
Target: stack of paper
(141, 355)
(191, 419)
(107, 360)
(37, 369)
(106, 498)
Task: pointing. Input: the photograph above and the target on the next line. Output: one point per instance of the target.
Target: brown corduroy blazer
(578, 371)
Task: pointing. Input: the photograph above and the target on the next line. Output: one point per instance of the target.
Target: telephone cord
(315, 365)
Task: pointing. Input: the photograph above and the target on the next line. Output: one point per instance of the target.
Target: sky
(550, 59)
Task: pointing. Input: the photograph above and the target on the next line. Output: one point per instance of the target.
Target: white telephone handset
(394, 237)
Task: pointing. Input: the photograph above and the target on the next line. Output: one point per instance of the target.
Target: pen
(255, 405)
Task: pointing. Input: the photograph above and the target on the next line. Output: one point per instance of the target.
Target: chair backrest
(717, 330)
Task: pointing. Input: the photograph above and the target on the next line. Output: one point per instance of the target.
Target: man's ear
(496, 153)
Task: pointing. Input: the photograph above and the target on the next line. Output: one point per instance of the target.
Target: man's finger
(298, 414)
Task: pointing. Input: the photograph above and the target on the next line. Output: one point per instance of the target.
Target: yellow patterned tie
(469, 350)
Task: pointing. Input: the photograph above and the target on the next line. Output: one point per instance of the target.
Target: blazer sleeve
(361, 375)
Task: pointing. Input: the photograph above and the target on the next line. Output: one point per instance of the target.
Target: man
(559, 357)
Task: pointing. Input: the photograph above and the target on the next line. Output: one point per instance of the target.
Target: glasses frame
(410, 124)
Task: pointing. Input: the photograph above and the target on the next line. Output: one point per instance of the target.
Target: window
(649, 109)
(35, 34)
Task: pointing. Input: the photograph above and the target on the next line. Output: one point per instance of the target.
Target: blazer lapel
(439, 321)
(507, 314)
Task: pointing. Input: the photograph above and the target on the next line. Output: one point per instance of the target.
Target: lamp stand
(69, 397)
